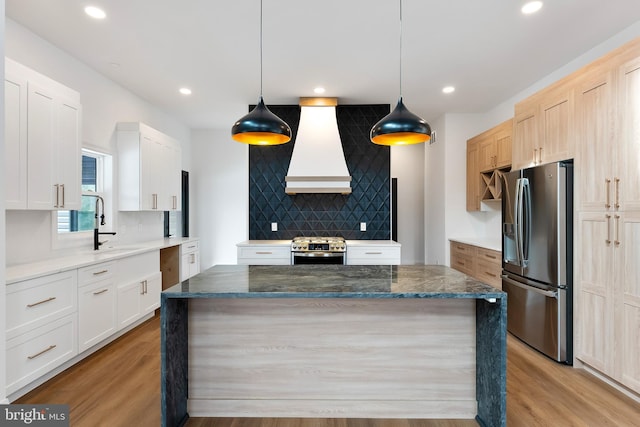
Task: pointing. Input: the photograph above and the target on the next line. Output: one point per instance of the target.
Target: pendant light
(261, 126)
(401, 126)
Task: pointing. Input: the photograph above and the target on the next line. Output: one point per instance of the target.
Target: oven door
(317, 257)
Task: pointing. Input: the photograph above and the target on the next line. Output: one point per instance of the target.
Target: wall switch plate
(363, 226)
(274, 226)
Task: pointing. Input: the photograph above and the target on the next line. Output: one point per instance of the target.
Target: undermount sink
(118, 250)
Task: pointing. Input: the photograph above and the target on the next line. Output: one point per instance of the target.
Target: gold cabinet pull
(608, 240)
(490, 256)
(62, 188)
(607, 185)
(100, 292)
(617, 239)
(263, 253)
(41, 302)
(540, 155)
(373, 253)
(535, 155)
(56, 205)
(490, 274)
(97, 273)
(40, 353)
(617, 185)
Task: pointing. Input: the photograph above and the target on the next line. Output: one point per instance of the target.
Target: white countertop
(265, 242)
(493, 243)
(372, 243)
(31, 270)
(349, 243)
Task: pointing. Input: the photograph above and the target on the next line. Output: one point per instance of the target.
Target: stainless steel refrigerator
(537, 262)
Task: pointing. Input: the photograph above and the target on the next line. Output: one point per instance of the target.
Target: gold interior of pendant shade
(261, 138)
(318, 102)
(400, 138)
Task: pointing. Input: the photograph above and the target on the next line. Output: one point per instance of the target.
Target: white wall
(3, 305)
(220, 191)
(104, 103)
(407, 165)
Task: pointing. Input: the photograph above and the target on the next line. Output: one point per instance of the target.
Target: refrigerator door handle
(526, 227)
(550, 294)
(516, 222)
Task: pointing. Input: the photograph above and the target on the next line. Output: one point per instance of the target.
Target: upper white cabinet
(42, 141)
(149, 169)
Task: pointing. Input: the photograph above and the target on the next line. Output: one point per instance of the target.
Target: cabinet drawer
(382, 255)
(189, 247)
(462, 249)
(489, 272)
(93, 273)
(463, 263)
(38, 351)
(36, 302)
(489, 256)
(264, 255)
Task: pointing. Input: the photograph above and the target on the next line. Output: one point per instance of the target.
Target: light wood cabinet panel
(480, 263)
(525, 135)
(473, 176)
(626, 190)
(504, 145)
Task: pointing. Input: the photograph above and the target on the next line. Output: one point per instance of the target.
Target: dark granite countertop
(332, 281)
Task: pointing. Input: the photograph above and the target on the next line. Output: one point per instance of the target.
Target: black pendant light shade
(261, 127)
(400, 127)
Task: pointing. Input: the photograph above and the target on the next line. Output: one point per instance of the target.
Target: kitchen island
(333, 341)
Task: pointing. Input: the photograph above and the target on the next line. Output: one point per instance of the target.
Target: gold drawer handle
(264, 253)
(607, 185)
(490, 256)
(608, 239)
(617, 239)
(100, 292)
(41, 302)
(97, 273)
(51, 347)
(373, 253)
(490, 274)
(617, 187)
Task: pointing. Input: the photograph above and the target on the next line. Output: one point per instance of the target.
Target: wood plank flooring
(119, 386)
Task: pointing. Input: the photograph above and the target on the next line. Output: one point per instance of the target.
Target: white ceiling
(487, 49)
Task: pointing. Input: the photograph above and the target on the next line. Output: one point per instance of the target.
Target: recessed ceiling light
(95, 12)
(531, 7)
(319, 90)
(185, 91)
(448, 89)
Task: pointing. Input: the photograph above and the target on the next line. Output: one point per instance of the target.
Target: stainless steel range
(318, 250)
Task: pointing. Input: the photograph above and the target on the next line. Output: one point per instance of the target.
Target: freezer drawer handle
(550, 294)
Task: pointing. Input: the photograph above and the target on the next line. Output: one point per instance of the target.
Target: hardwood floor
(119, 386)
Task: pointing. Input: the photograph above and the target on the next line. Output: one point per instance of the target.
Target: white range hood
(317, 162)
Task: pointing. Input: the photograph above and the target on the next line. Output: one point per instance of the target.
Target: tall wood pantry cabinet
(607, 98)
(42, 141)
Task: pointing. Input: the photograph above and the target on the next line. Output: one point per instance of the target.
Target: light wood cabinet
(149, 169)
(43, 144)
(480, 263)
(488, 156)
(542, 127)
(607, 107)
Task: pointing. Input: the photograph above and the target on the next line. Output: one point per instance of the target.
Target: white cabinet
(41, 320)
(139, 287)
(96, 304)
(264, 253)
(43, 146)
(190, 260)
(362, 252)
(149, 169)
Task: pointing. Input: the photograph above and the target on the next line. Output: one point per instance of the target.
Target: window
(94, 171)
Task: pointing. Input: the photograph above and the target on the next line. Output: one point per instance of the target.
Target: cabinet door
(627, 245)
(556, 112)
(150, 173)
(68, 154)
(15, 140)
(96, 313)
(627, 189)
(473, 176)
(150, 297)
(43, 191)
(503, 142)
(595, 276)
(487, 154)
(525, 136)
(129, 302)
(595, 140)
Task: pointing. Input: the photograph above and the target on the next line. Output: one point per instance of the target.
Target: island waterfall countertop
(349, 341)
(326, 281)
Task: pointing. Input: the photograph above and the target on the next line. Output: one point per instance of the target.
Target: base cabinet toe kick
(241, 341)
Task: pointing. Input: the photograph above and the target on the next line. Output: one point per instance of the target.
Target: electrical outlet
(274, 226)
(363, 226)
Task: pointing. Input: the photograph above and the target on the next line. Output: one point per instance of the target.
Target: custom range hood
(317, 162)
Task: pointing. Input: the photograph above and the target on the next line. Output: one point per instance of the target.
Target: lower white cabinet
(264, 254)
(96, 313)
(373, 253)
(34, 353)
(190, 260)
(137, 298)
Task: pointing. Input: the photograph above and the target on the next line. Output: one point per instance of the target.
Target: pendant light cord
(260, 48)
(400, 1)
